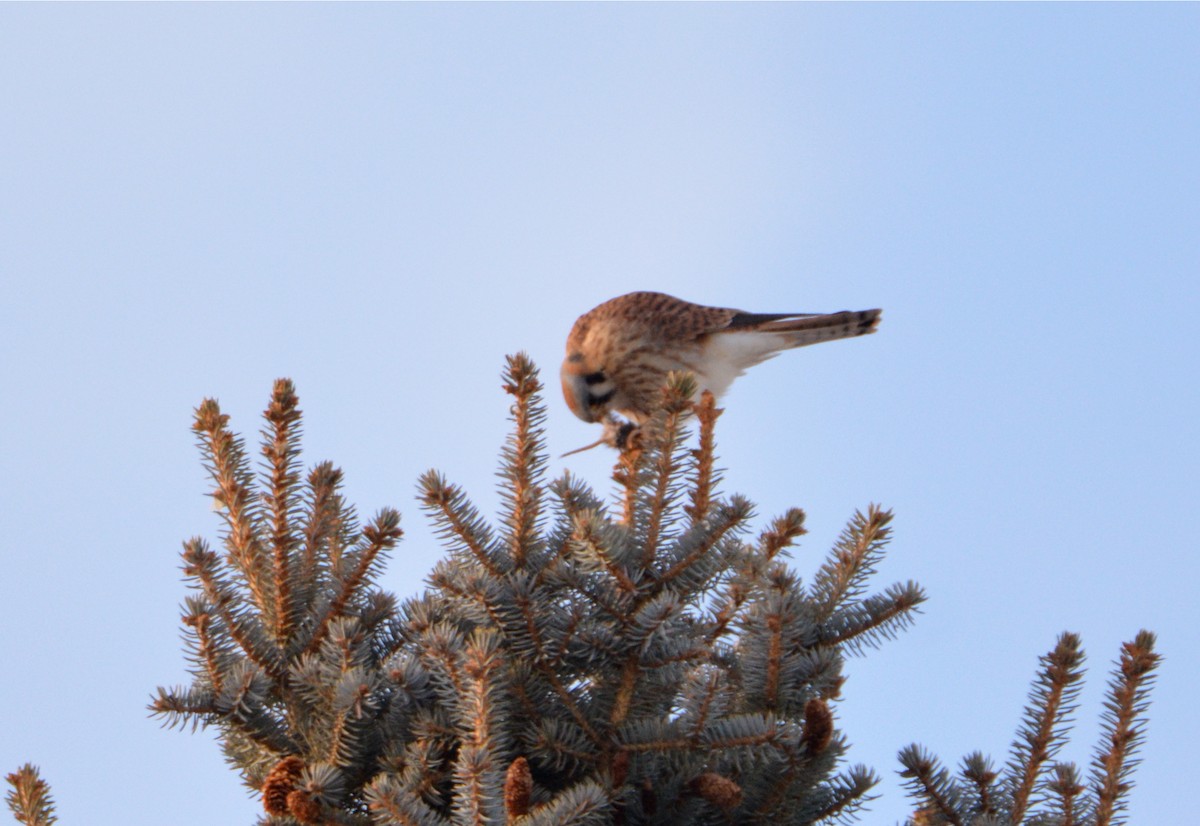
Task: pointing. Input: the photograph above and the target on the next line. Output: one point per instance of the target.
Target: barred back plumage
(619, 353)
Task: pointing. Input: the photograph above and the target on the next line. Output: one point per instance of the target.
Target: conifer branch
(547, 667)
(208, 650)
(29, 797)
(575, 502)
(847, 793)
(619, 769)
(880, 616)
(401, 806)
(1046, 718)
(441, 648)
(780, 666)
(482, 665)
(733, 732)
(355, 707)
(380, 536)
(181, 706)
(783, 531)
(524, 632)
(475, 779)
(470, 586)
(611, 602)
(477, 773)
(628, 474)
(852, 561)
(774, 623)
(225, 460)
(524, 457)
(709, 690)
(588, 543)
(1061, 799)
(458, 519)
(582, 805)
(1064, 788)
(929, 782)
(281, 453)
(558, 744)
(325, 522)
(665, 426)
(625, 686)
(575, 498)
(979, 771)
(707, 412)
(1123, 732)
(784, 781)
(242, 703)
(681, 655)
(203, 565)
(725, 519)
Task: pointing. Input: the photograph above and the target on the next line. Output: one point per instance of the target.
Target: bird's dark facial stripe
(594, 378)
(603, 399)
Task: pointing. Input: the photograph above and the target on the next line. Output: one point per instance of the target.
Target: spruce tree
(1033, 788)
(641, 659)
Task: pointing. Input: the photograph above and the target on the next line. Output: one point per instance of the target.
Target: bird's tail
(753, 338)
(799, 331)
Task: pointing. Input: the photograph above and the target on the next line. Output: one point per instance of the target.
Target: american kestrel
(619, 354)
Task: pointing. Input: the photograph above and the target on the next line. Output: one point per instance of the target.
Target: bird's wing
(670, 318)
(740, 320)
(807, 328)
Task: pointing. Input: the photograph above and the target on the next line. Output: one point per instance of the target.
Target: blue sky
(381, 201)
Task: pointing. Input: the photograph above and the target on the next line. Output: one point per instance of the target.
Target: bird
(619, 353)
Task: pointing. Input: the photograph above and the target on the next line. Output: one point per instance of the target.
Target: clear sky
(381, 201)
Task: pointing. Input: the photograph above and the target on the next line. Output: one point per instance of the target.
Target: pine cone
(304, 807)
(718, 790)
(620, 769)
(517, 786)
(818, 726)
(279, 782)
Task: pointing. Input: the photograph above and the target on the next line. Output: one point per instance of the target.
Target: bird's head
(587, 388)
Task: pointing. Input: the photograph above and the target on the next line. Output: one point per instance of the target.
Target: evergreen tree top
(638, 659)
(641, 660)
